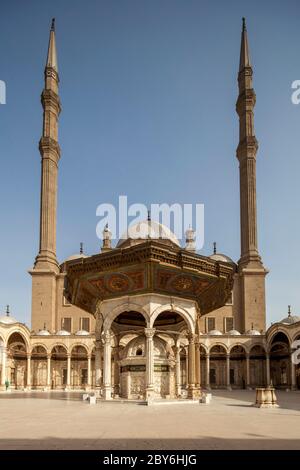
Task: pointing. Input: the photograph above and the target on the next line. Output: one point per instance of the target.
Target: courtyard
(61, 420)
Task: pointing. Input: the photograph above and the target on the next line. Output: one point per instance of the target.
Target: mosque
(148, 318)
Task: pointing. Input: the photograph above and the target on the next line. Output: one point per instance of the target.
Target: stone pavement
(40, 420)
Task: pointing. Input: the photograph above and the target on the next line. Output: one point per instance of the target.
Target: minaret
(50, 154)
(251, 269)
(45, 270)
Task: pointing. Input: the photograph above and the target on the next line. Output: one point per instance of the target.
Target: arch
(257, 346)
(241, 345)
(123, 308)
(219, 343)
(59, 345)
(21, 334)
(37, 352)
(279, 335)
(35, 345)
(75, 345)
(174, 309)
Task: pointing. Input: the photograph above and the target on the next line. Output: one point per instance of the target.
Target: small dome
(43, 333)
(147, 230)
(290, 319)
(215, 333)
(221, 257)
(234, 333)
(63, 333)
(76, 256)
(8, 320)
(253, 333)
(82, 333)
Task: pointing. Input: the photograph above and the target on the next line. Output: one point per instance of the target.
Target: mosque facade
(148, 318)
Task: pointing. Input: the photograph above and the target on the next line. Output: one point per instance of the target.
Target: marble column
(228, 386)
(107, 366)
(89, 371)
(48, 384)
(186, 368)
(116, 373)
(247, 370)
(207, 371)
(28, 374)
(191, 369)
(293, 373)
(68, 371)
(98, 370)
(149, 333)
(197, 367)
(178, 371)
(268, 369)
(3, 370)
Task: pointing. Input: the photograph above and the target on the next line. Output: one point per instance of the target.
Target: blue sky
(148, 91)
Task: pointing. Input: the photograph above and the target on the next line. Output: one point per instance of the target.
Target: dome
(76, 256)
(8, 320)
(43, 333)
(253, 332)
(221, 257)
(145, 230)
(62, 333)
(290, 319)
(82, 333)
(234, 333)
(215, 333)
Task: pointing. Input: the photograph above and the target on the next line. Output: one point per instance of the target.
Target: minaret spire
(52, 56)
(246, 154)
(50, 154)
(251, 270)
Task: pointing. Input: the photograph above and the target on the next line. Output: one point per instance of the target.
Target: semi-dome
(76, 256)
(82, 333)
(43, 333)
(234, 333)
(8, 320)
(253, 332)
(221, 257)
(290, 319)
(63, 333)
(215, 333)
(147, 230)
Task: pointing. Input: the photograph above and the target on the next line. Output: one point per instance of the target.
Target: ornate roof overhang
(150, 267)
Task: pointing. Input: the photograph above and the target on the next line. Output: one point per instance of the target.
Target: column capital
(28, 355)
(106, 337)
(192, 338)
(149, 332)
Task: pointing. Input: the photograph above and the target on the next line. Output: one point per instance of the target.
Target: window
(84, 376)
(85, 324)
(139, 352)
(230, 299)
(228, 324)
(65, 302)
(65, 376)
(66, 324)
(211, 324)
(212, 376)
(232, 377)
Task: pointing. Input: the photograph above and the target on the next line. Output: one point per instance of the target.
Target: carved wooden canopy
(149, 267)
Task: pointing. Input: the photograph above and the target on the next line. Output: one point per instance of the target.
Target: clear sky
(148, 91)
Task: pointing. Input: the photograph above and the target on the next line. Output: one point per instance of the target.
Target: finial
(215, 248)
(289, 310)
(45, 326)
(7, 310)
(106, 226)
(244, 24)
(81, 248)
(252, 326)
(149, 216)
(53, 24)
